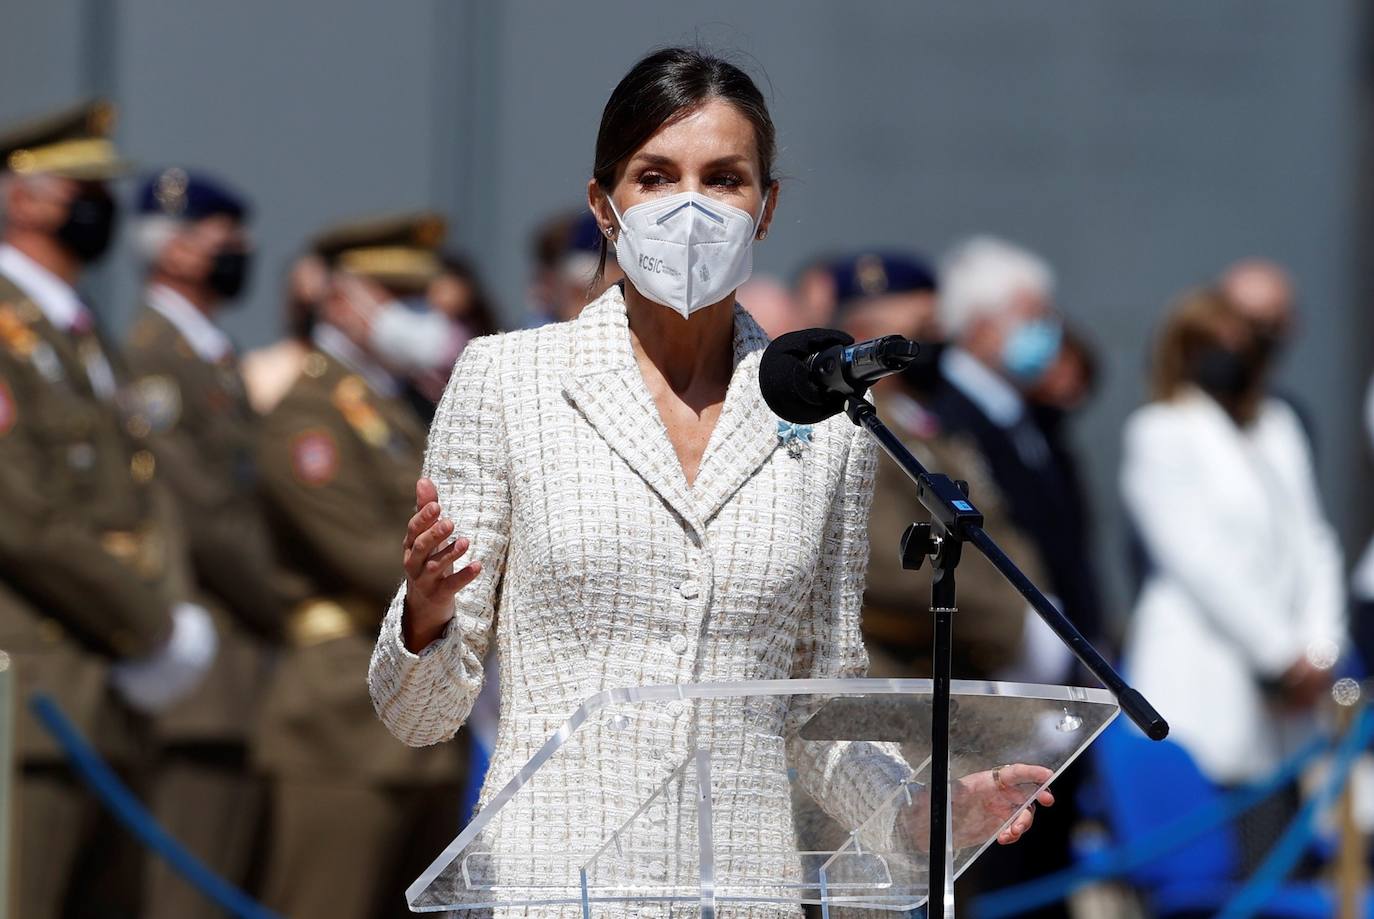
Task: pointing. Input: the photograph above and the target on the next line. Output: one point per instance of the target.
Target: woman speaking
(628, 512)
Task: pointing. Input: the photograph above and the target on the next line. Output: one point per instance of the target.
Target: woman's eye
(728, 180)
(652, 178)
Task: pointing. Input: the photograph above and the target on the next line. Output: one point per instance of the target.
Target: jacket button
(675, 708)
(678, 643)
(688, 589)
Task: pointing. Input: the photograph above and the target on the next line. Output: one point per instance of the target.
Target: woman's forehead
(715, 130)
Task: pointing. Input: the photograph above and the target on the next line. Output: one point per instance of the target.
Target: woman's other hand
(982, 802)
(428, 560)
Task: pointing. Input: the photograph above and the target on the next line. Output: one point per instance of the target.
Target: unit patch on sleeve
(314, 457)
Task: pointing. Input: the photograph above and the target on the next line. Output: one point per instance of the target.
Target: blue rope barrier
(1056, 887)
(115, 795)
(1251, 898)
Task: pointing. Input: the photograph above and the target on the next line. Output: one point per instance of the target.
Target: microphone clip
(851, 369)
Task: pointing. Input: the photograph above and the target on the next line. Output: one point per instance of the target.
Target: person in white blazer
(1242, 615)
(626, 510)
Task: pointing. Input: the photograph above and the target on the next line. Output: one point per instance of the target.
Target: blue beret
(873, 274)
(189, 196)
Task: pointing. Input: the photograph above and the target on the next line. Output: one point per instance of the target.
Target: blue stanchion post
(1281, 860)
(131, 813)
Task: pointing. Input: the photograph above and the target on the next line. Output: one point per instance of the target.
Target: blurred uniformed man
(356, 814)
(895, 294)
(191, 234)
(90, 544)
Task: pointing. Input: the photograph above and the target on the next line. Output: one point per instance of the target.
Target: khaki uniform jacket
(202, 433)
(339, 463)
(897, 620)
(90, 544)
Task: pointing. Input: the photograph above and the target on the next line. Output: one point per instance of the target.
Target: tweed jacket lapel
(746, 432)
(607, 387)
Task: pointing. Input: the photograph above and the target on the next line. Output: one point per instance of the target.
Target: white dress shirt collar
(336, 344)
(54, 296)
(206, 339)
(997, 398)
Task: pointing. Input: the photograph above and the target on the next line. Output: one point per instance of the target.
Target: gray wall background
(1138, 147)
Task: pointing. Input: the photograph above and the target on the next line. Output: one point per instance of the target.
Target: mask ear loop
(619, 220)
(762, 234)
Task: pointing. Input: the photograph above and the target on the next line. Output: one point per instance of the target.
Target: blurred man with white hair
(997, 306)
(191, 233)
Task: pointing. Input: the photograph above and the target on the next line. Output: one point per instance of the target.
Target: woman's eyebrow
(731, 159)
(653, 159)
(658, 159)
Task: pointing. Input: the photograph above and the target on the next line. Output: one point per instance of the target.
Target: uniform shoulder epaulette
(16, 330)
(350, 398)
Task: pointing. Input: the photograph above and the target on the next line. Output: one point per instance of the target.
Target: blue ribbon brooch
(794, 437)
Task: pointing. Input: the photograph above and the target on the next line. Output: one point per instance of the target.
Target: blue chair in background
(1144, 788)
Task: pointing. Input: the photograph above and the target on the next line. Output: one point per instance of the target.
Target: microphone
(807, 376)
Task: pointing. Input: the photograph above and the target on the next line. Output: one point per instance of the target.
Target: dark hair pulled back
(667, 85)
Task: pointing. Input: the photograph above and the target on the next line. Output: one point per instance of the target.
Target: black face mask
(1269, 342)
(922, 374)
(89, 227)
(1223, 373)
(229, 273)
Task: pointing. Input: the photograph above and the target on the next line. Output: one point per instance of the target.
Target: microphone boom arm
(954, 515)
(954, 522)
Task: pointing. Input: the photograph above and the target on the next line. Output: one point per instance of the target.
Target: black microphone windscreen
(786, 381)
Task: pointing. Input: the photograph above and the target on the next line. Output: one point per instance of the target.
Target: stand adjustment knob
(918, 543)
(962, 486)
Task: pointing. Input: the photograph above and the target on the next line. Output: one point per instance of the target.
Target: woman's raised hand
(428, 559)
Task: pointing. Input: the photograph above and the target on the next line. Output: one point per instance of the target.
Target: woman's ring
(997, 778)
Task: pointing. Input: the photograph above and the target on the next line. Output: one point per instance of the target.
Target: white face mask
(411, 339)
(686, 251)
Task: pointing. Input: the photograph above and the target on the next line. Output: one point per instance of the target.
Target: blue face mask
(1031, 348)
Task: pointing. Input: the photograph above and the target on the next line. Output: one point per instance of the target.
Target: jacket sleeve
(1323, 616)
(1166, 496)
(851, 780)
(226, 533)
(337, 513)
(121, 604)
(897, 601)
(425, 698)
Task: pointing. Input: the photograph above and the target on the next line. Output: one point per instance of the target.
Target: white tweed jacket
(602, 568)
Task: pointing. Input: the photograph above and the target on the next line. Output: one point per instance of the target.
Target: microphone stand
(954, 522)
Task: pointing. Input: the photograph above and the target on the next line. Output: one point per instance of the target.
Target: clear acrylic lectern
(724, 797)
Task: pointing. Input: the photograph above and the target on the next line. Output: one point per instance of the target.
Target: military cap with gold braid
(397, 250)
(73, 143)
